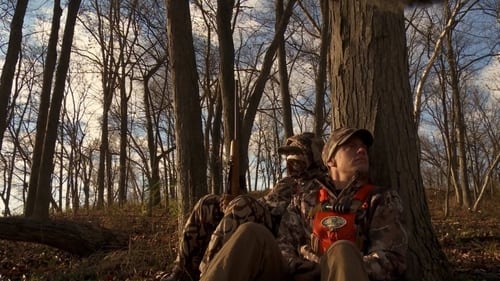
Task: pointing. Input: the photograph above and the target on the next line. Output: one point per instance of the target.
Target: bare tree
(43, 109)
(483, 143)
(8, 70)
(73, 136)
(450, 24)
(43, 191)
(259, 85)
(458, 116)
(99, 22)
(212, 91)
(453, 54)
(230, 103)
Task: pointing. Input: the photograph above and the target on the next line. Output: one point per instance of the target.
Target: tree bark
(191, 160)
(370, 89)
(77, 238)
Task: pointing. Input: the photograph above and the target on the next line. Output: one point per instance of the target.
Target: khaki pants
(250, 254)
(343, 262)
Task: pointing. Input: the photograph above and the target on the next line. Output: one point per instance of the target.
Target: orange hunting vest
(329, 226)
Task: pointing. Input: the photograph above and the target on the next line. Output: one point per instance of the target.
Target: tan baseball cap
(340, 136)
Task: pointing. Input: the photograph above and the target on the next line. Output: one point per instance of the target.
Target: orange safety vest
(329, 226)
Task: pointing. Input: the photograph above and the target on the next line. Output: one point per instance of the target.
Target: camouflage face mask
(295, 167)
(305, 145)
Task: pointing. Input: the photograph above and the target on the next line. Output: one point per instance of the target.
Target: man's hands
(307, 271)
(224, 200)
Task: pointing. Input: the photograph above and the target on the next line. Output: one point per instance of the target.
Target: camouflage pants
(208, 228)
(199, 226)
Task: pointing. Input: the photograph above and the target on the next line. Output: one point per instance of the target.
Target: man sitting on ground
(210, 225)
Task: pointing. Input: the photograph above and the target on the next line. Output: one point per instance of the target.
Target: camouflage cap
(340, 136)
(306, 143)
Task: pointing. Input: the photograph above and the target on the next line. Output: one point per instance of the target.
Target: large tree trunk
(191, 161)
(81, 239)
(370, 89)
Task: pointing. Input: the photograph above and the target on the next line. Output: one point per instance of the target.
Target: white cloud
(489, 79)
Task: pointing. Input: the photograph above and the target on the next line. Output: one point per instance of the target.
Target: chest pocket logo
(333, 222)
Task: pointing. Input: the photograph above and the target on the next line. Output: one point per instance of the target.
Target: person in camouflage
(350, 230)
(353, 231)
(212, 222)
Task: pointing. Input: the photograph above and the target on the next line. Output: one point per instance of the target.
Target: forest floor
(471, 242)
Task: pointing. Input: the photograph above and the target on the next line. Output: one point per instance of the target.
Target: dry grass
(471, 242)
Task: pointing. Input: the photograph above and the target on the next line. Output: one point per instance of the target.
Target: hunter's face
(352, 157)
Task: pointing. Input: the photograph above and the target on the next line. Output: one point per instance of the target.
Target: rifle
(234, 153)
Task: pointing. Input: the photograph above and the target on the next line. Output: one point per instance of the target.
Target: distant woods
(127, 134)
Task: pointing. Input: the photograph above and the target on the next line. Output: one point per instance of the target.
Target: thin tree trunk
(283, 75)
(43, 111)
(43, 195)
(260, 84)
(321, 79)
(9, 66)
(458, 117)
(486, 181)
(122, 181)
(450, 24)
(191, 161)
(227, 85)
(108, 82)
(216, 152)
(154, 161)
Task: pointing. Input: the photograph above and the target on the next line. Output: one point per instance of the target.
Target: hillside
(471, 242)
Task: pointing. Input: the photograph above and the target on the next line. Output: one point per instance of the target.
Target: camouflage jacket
(385, 239)
(266, 210)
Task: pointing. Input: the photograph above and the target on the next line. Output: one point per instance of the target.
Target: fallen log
(78, 238)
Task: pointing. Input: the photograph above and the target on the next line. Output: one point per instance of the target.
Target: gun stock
(234, 152)
(234, 177)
